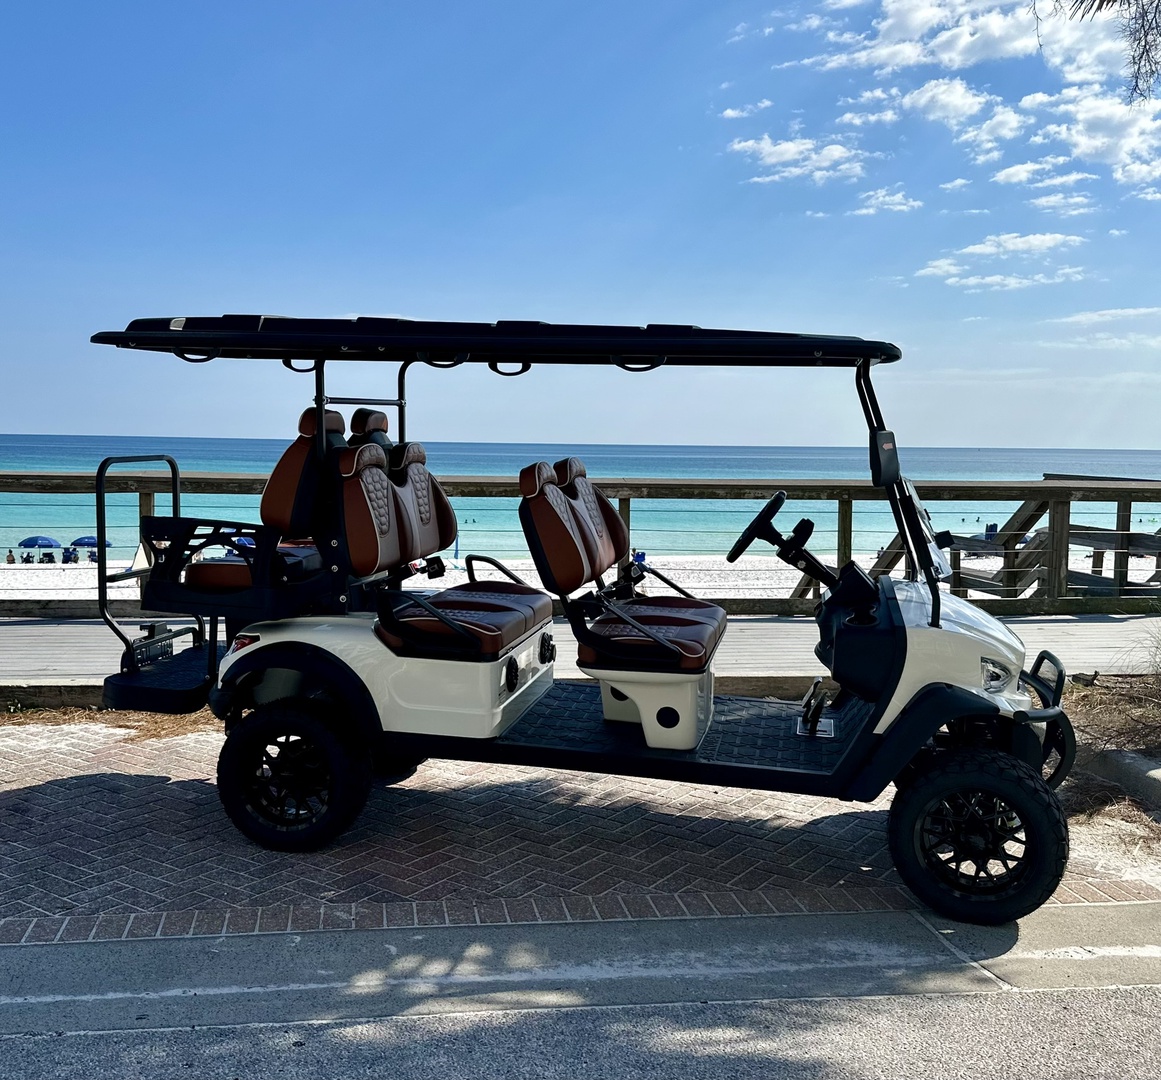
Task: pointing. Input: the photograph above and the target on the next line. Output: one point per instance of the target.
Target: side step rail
(157, 642)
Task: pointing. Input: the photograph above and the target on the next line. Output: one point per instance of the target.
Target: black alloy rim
(974, 842)
(292, 782)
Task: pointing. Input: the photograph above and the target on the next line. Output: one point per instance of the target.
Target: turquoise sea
(704, 527)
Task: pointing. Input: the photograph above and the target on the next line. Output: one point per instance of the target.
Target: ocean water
(704, 527)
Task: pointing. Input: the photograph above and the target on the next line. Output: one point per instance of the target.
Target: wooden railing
(1035, 577)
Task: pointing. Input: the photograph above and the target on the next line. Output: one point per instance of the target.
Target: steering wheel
(754, 529)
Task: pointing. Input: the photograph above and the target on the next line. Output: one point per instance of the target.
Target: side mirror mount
(884, 459)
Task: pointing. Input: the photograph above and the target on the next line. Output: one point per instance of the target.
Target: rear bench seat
(290, 503)
(480, 619)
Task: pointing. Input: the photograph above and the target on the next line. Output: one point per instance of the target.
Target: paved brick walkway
(108, 836)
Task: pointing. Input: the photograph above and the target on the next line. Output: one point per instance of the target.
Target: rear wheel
(290, 782)
(978, 836)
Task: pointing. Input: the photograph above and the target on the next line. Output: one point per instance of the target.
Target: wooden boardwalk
(47, 652)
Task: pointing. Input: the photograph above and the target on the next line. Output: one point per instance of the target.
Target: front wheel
(978, 836)
(290, 782)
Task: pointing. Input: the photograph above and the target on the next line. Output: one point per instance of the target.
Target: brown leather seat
(483, 617)
(430, 526)
(607, 541)
(576, 535)
(493, 627)
(290, 502)
(369, 425)
(695, 640)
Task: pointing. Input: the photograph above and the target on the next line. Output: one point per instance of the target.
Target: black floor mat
(744, 731)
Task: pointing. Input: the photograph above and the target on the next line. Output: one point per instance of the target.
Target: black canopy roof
(276, 337)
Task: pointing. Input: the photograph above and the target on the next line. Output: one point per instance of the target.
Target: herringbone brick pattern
(104, 836)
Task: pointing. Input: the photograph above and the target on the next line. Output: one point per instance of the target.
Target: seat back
(290, 500)
(369, 426)
(573, 531)
(427, 519)
(555, 534)
(605, 534)
(371, 511)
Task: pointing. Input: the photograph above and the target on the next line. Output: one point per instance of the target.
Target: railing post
(845, 529)
(625, 509)
(1059, 514)
(957, 588)
(146, 507)
(1121, 554)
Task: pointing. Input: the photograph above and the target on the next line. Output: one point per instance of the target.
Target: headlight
(994, 675)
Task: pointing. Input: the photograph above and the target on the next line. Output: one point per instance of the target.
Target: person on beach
(11, 558)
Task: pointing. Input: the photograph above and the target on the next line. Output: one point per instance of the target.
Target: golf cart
(334, 667)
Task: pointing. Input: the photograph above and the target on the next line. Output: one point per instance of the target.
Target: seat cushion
(494, 627)
(295, 561)
(680, 607)
(636, 651)
(535, 605)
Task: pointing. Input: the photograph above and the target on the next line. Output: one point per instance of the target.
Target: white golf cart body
(329, 654)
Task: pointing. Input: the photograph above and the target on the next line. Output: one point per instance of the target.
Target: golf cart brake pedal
(811, 722)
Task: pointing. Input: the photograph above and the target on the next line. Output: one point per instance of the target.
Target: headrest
(306, 422)
(356, 458)
(407, 453)
(568, 469)
(534, 477)
(365, 420)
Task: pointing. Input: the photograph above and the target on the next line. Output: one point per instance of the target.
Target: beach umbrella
(39, 542)
(89, 541)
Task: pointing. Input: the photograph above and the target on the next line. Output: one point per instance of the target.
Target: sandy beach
(703, 575)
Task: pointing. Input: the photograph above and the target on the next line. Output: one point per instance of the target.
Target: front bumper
(1046, 681)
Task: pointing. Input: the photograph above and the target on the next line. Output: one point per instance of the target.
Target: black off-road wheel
(290, 782)
(979, 836)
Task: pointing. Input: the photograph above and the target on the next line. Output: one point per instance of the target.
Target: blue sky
(914, 170)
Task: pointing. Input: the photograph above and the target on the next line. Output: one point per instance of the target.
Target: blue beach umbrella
(89, 541)
(39, 542)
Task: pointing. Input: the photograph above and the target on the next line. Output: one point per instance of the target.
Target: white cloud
(1006, 282)
(1067, 180)
(817, 213)
(1005, 244)
(813, 21)
(950, 101)
(940, 268)
(1019, 174)
(1149, 194)
(1135, 342)
(884, 199)
(870, 97)
(853, 119)
(746, 110)
(1065, 205)
(1005, 124)
(1096, 125)
(797, 158)
(956, 184)
(1118, 232)
(1088, 318)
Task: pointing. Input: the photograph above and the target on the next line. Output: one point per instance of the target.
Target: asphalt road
(1070, 992)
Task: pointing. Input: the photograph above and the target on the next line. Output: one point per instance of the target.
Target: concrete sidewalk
(1070, 992)
(45, 652)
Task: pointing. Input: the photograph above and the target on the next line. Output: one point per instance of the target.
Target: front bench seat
(652, 662)
(571, 550)
(608, 543)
